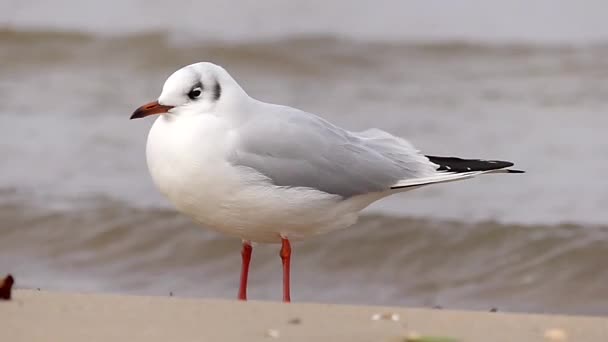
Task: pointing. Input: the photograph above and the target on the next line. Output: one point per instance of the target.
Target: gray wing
(297, 149)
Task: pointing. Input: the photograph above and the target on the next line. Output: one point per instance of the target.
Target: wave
(298, 55)
(108, 246)
(172, 39)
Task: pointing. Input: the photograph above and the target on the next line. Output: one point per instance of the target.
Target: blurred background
(518, 80)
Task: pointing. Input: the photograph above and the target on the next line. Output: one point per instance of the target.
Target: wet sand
(45, 316)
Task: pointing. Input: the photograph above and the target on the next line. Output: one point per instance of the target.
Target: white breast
(187, 160)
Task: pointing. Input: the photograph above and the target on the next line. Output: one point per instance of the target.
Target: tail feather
(451, 169)
(453, 164)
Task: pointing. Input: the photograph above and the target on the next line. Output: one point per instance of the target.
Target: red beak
(150, 109)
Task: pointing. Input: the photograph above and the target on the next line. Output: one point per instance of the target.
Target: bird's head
(196, 88)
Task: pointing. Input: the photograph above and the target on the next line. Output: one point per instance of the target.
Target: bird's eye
(195, 93)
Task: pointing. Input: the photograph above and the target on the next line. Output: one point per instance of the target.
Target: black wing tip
(515, 171)
(459, 165)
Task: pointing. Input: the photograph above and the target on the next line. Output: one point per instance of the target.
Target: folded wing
(307, 151)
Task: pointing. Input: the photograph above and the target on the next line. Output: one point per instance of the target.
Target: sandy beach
(49, 316)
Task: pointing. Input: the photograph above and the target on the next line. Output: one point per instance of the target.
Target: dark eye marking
(217, 91)
(196, 91)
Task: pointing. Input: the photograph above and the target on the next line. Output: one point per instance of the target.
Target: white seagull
(269, 173)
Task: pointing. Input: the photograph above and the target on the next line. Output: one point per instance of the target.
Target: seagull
(268, 173)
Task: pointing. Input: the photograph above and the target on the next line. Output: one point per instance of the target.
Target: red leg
(285, 258)
(246, 255)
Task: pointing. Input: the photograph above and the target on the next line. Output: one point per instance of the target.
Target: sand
(67, 317)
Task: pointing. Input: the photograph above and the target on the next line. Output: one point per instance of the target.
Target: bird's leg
(285, 258)
(246, 256)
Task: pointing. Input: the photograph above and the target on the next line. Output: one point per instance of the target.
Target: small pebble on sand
(273, 333)
(412, 336)
(6, 285)
(387, 316)
(555, 335)
(295, 321)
